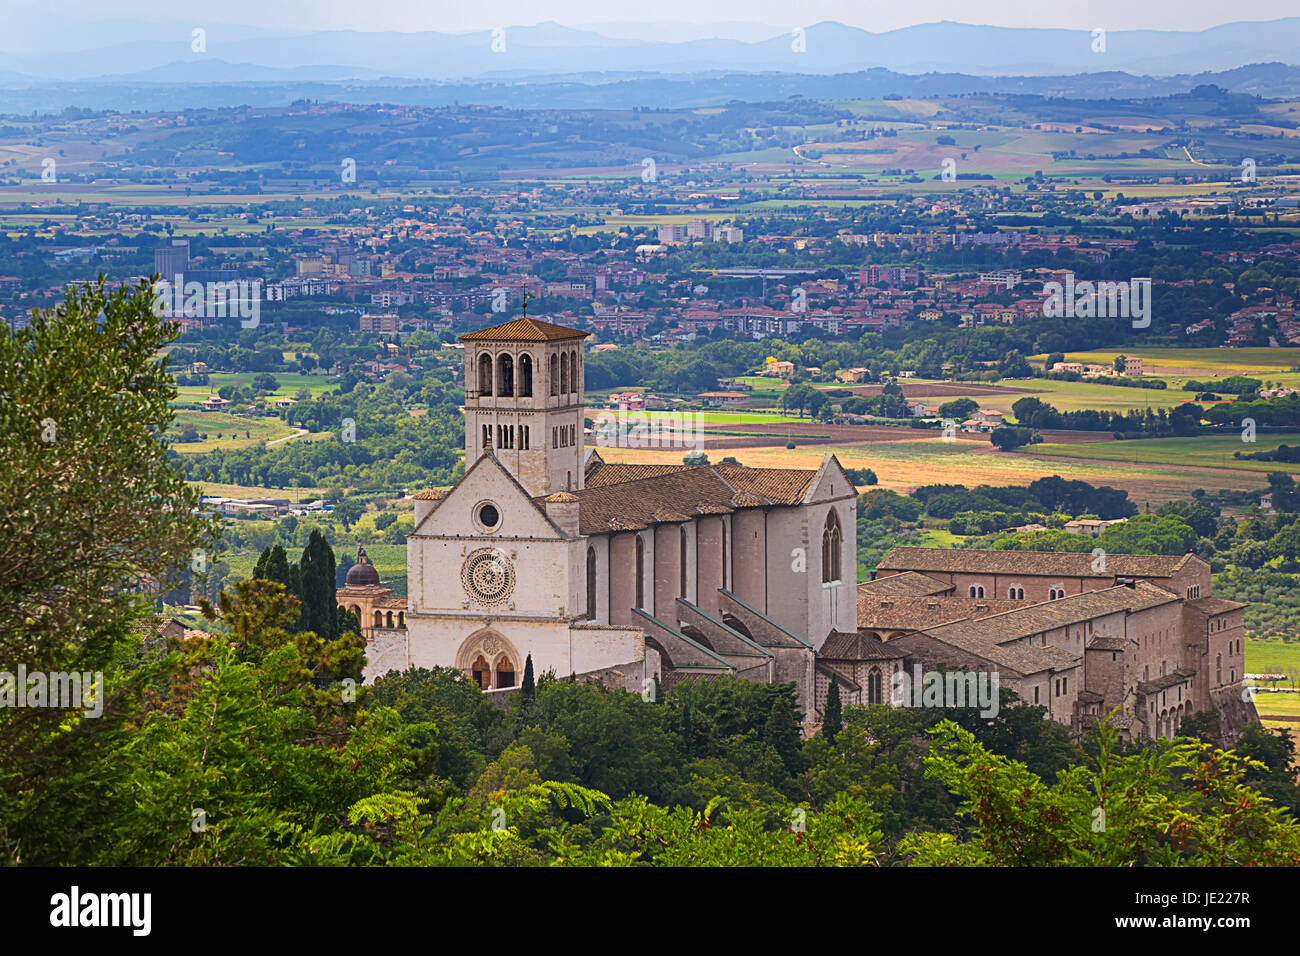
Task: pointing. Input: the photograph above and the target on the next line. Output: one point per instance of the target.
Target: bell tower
(524, 400)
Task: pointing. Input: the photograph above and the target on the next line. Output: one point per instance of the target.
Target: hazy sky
(456, 15)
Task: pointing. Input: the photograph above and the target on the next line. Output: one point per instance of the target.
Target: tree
(89, 502)
(832, 721)
(959, 409)
(1007, 439)
(782, 732)
(1126, 812)
(317, 576)
(527, 691)
(348, 512)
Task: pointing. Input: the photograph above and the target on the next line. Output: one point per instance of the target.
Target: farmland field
(289, 384)
(1209, 451)
(904, 465)
(233, 427)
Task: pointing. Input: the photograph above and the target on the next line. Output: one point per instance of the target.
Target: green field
(1228, 361)
(233, 427)
(1208, 451)
(1271, 656)
(290, 383)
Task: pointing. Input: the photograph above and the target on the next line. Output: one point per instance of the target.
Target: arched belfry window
(832, 538)
(555, 375)
(640, 572)
(485, 374)
(573, 371)
(525, 376)
(564, 373)
(591, 583)
(506, 376)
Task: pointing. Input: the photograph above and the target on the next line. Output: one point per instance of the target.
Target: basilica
(643, 575)
(620, 572)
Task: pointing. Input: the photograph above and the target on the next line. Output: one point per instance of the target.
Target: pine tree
(527, 690)
(833, 720)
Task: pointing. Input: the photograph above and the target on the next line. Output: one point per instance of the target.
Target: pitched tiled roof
(430, 494)
(630, 497)
(1039, 563)
(782, 486)
(1214, 605)
(633, 505)
(906, 584)
(919, 613)
(524, 329)
(1179, 676)
(843, 646)
(996, 636)
(1108, 642)
(615, 473)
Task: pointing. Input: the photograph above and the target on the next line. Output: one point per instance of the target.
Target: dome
(363, 573)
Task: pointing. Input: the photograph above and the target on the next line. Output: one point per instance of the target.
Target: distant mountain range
(40, 47)
(166, 89)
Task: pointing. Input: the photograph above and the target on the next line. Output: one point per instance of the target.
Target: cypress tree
(782, 732)
(833, 720)
(316, 569)
(259, 569)
(527, 690)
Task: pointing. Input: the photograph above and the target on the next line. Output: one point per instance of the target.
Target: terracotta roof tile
(1066, 564)
(616, 473)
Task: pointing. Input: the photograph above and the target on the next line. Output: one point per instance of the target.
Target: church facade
(625, 572)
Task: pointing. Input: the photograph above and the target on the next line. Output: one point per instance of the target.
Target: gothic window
(573, 371)
(555, 375)
(564, 374)
(640, 572)
(875, 687)
(506, 376)
(1218, 669)
(401, 619)
(505, 672)
(971, 590)
(481, 673)
(591, 583)
(485, 374)
(390, 619)
(379, 619)
(681, 559)
(525, 376)
(487, 435)
(832, 540)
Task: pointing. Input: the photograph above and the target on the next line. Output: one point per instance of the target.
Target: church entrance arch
(490, 659)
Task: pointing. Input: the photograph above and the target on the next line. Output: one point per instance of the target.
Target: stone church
(628, 572)
(622, 572)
